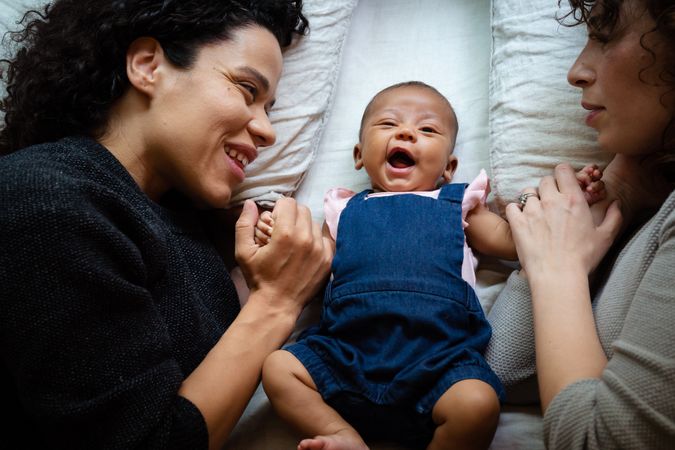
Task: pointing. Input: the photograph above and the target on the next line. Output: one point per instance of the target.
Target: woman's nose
(582, 74)
(261, 129)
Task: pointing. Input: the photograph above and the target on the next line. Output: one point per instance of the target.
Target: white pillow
(11, 11)
(304, 95)
(536, 119)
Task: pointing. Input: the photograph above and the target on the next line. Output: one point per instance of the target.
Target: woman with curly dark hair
(605, 355)
(125, 122)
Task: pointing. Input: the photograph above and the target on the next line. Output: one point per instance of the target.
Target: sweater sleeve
(632, 405)
(82, 339)
(511, 352)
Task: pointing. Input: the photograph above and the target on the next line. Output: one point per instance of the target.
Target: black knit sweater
(107, 302)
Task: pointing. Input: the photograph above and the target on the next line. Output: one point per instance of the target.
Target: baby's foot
(589, 179)
(342, 440)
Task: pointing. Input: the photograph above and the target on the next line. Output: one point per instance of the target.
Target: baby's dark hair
(412, 83)
(69, 64)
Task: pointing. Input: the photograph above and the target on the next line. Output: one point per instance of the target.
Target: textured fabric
(536, 120)
(108, 302)
(632, 405)
(476, 193)
(399, 325)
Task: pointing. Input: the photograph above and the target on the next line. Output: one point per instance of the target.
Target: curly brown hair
(69, 65)
(602, 18)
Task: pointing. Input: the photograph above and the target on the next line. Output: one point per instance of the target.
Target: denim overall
(399, 324)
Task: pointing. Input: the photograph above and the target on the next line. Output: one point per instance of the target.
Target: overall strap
(453, 192)
(361, 195)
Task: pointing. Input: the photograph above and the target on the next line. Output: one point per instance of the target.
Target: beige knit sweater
(632, 406)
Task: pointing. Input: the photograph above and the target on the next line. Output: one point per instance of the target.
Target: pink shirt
(476, 193)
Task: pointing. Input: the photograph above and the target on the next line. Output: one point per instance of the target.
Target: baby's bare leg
(295, 398)
(466, 417)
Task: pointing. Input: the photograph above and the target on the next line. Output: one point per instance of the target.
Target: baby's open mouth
(400, 159)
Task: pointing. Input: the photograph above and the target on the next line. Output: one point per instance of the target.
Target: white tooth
(232, 153)
(245, 161)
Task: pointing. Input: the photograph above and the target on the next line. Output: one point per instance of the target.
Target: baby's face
(407, 141)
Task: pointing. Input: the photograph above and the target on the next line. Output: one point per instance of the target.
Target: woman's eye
(601, 38)
(251, 89)
(597, 38)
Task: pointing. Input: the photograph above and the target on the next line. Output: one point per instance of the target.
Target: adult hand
(555, 231)
(295, 263)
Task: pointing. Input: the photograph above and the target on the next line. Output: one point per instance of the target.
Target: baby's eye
(428, 130)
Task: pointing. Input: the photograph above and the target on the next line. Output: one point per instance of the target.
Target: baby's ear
(450, 168)
(358, 159)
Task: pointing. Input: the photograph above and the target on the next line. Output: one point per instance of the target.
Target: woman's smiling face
(407, 140)
(629, 105)
(211, 118)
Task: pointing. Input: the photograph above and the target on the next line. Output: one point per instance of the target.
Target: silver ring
(522, 198)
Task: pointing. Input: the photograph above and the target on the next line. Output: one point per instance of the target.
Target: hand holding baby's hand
(593, 188)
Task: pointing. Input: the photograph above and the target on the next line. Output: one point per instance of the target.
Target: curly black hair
(602, 24)
(70, 60)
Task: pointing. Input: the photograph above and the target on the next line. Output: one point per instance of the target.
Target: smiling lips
(240, 156)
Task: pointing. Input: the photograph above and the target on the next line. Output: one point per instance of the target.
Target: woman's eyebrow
(262, 79)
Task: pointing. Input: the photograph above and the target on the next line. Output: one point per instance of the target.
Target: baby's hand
(589, 179)
(263, 228)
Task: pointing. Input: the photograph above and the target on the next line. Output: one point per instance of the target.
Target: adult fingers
(244, 229)
(324, 244)
(566, 179)
(527, 194)
(304, 221)
(548, 186)
(513, 213)
(611, 224)
(285, 215)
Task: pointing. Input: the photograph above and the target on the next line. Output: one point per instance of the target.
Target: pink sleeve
(334, 202)
(475, 194)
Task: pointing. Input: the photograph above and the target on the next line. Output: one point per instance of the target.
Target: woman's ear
(144, 56)
(450, 168)
(358, 159)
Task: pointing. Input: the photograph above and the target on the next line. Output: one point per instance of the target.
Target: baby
(398, 352)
